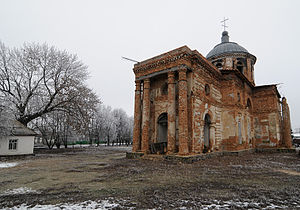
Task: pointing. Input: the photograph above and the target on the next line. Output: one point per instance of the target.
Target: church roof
(226, 47)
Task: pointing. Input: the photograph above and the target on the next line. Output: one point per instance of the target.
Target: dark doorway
(160, 146)
(162, 128)
(207, 123)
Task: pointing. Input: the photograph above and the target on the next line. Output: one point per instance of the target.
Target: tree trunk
(108, 140)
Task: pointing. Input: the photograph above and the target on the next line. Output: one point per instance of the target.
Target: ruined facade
(188, 104)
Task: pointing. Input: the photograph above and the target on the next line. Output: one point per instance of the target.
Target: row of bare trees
(113, 126)
(108, 126)
(45, 89)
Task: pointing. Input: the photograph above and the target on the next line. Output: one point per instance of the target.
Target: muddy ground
(258, 180)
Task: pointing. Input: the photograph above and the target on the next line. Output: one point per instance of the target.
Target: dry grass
(101, 173)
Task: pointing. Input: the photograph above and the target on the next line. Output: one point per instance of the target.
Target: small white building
(19, 141)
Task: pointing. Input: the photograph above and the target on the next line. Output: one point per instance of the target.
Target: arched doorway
(162, 128)
(207, 123)
(160, 146)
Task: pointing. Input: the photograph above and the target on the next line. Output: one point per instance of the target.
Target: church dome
(226, 47)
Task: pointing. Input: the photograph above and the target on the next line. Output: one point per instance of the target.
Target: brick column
(182, 109)
(171, 112)
(137, 118)
(146, 116)
(286, 124)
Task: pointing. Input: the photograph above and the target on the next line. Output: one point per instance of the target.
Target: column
(146, 116)
(137, 118)
(212, 136)
(286, 124)
(171, 113)
(182, 109)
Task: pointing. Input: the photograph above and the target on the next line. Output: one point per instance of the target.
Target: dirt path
(98, 174)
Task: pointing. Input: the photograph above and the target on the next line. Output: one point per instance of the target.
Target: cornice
(173, 69)
(163, 59)
(233, 54)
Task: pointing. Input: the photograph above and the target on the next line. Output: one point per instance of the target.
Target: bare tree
(38, 79)
(47, 127)
(3, 122)
(129, 130)
(114, 126)
(6, 118)
(110, 126)
(105, 124)
(120, 121)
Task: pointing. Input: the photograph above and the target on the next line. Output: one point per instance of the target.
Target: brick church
(186, 103)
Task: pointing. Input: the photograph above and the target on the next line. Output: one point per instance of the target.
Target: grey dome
(226, 47)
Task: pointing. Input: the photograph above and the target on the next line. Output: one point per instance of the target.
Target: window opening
(12, 144)
(207, 89)
(248, 103)
(219, 65)
(239, 97)
(207, 123)
(240, 66)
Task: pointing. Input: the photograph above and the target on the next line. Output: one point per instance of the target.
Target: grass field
(101, 177)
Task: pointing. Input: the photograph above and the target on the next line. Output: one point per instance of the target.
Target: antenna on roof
(130, 59)
(224, 23)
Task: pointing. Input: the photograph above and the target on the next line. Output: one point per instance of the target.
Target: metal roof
(226, 47)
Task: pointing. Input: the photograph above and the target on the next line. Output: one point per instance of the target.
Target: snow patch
(103, 204)
(8, 165)
(20, 190)
(216, 204)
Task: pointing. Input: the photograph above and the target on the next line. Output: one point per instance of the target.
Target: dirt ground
(256, 181)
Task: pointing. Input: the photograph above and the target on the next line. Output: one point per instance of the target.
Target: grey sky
(100, 32)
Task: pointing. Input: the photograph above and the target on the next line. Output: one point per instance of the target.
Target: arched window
(219, 65)
(207, 122)
(249, 106)
(240, 66)
(207, 89)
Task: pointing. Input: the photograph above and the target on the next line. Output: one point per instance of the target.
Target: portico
(153, 124)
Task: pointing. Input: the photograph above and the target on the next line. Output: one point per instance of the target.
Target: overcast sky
(100, 32)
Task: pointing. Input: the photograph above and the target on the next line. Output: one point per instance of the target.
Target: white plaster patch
(231, 95)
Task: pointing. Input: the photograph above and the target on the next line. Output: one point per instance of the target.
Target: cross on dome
(224, 23)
